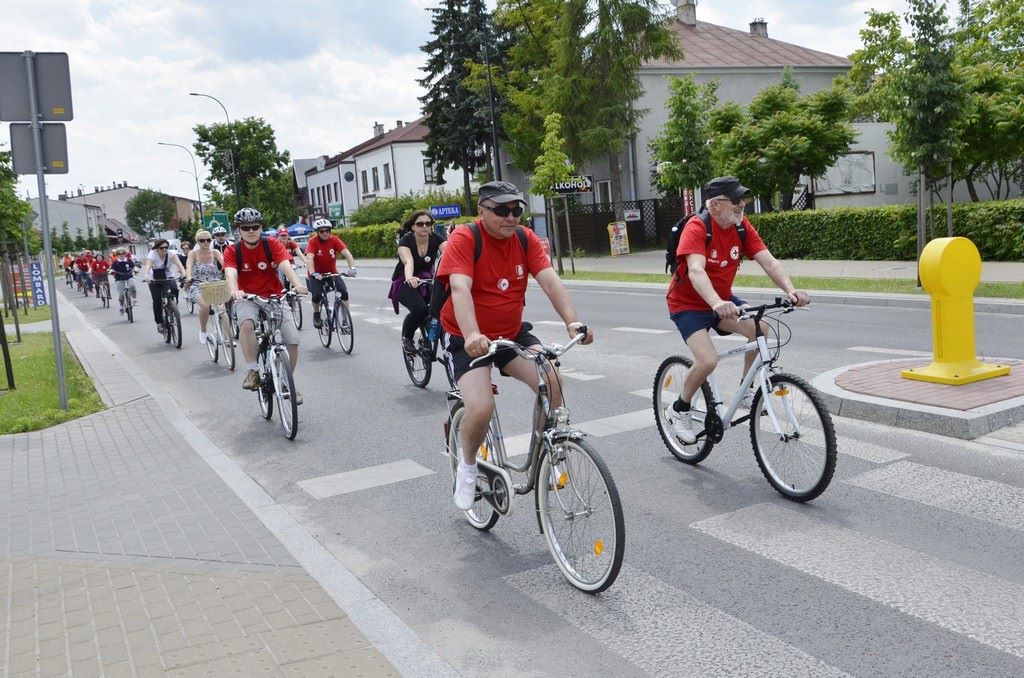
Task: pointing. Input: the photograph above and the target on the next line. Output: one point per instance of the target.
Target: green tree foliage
(275, 198)
(66, 242)
(387, 210)
(149, 212)
(13, 210)
(458, 116)
(682, 151)
(80, 242)
(780, 137)
(254, 153)
(553, 164)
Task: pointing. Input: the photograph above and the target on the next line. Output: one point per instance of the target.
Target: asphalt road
(909, 564)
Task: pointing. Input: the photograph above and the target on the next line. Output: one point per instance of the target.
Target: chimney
(79, 192)
(686, 11)
(378, 130)
(759, 28)
(398, 124)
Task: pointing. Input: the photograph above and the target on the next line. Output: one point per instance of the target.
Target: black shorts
(459, 360)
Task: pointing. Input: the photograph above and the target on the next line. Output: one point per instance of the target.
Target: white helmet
(322, 223)
(248, 215)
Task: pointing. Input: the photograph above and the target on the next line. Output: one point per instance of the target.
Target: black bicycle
(170, 327)
(419, 362)
(337, 319)
(276, 380)
(103, 291)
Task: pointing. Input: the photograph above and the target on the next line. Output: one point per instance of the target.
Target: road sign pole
(44, 216)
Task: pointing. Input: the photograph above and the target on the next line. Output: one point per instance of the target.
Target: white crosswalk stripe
(978, 498)
(980, 606)
(640, 330)
(665, 631)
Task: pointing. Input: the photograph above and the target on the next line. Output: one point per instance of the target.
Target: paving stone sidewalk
(123, 553)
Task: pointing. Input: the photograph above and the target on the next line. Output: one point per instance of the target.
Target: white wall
(79, 217)
(317, 184)
(366, 163)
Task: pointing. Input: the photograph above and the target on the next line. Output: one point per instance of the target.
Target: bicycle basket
(214, 292)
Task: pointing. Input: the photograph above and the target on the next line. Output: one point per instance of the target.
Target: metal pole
(44, 216)
(496, 160)
(28, 257)
(558, 237)
(949, 205)
(920, 219)
(12, 287)
(231, 155)
(568, 233)
(195, 173)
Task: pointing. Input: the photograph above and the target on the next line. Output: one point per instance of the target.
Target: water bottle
(433, 330)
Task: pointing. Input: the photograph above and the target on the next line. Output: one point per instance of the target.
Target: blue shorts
(689, 322)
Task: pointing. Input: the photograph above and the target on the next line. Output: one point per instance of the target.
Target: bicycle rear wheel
(296, 306)
(226, 341)
(105, 295)
(343, 326)
(668, 383)
(287, 407)
(482, 515)
(580, 514)
(799, 460)
(420, 362)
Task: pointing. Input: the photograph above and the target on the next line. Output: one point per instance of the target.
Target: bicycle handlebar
(289, 294)
(757, 312)
(550, 351)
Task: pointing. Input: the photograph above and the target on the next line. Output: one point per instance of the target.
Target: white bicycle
(791, 431)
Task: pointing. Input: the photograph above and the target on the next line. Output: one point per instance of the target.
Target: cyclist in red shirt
(322, 253)
(83, 266)
(99, 268)
(486, 302)
(258, 275)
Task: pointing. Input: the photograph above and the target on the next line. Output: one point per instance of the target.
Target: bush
(386, 210)
(888, 233)
(373, 242)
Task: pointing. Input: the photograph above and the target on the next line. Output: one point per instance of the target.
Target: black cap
(730, 187)
(500, 192)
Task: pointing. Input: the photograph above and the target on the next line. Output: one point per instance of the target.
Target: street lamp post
(234, 174)
(494, 124)
(195, 174)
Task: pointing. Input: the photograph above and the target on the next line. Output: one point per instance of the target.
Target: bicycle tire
(296, 307)
(191, 304)
(326, 329)
(668, 381)
(814, 447)
(284, 392)
(419, 363)
(343, 327)
(227, 342)
(582, 555)
(175, 325)
(482, 515)
(213, 342)
(264, 392)
(129, 307)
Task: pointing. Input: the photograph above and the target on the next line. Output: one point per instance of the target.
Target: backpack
(439, 293)
(671, 264)
(266, 250)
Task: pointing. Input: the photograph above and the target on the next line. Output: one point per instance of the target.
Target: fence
(589, 223)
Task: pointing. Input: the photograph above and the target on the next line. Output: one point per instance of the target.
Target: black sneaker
(317, 322)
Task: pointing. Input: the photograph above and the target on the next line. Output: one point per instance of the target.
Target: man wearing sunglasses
(700, 297)
(488, 291)
(322, 252)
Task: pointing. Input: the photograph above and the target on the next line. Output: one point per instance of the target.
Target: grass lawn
(34, 404)
(895, 285)
(34, 315)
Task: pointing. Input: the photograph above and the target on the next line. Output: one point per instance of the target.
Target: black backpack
(439, 293)
(266, 250)
(677, 231)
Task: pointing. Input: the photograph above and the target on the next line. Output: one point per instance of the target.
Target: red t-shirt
(325, 253)
(292, 247)
(83, 263)
(723, 261)
(258, 276)
(499, 279)
(100, 267)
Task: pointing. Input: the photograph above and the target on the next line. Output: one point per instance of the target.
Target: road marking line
(558, 323)
(639, 619)
(570, 373)
(978, 498)
(975, 604)
(889, 351)
(640, 330)
(363, 478)
(598, 428)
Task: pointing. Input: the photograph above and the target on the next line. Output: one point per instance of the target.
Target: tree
(255, 154)
(80, 243)
(13, 210)
(458, 116)
(552, 164)
(67, 243)
(682, 152)
(148, 212)
(275, 198)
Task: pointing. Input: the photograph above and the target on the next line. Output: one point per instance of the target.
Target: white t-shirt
(158, 263)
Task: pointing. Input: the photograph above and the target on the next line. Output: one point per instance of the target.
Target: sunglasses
(504, 210)
(249, 229)
(744, 200)
(162, 247)
(423, 223)
(323, 230)
(203, 240)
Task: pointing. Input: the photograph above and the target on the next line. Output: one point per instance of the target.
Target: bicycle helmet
(220, 230)
(321, 223)
(248, 215)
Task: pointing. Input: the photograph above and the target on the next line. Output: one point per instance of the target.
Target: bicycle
(103, 291)
(171, 325)
(294, 303)
(190, 304)
(420, 362)
(69, 277)
(127, 301)
(337, 320)
(573, 488)
(219, 338)
(275, 368)
(791, 431)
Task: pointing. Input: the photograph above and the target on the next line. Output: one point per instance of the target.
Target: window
(604, 191)
(428, 171)
(337, 192)
(376, 180)
(387, 175)
(366, 187)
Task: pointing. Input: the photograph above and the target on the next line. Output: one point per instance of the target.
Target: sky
(320, 72)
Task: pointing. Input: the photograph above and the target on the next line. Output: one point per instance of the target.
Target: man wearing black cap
(700, 295)
(487, 296)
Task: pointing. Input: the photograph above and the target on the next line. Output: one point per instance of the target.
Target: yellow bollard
(950, 270)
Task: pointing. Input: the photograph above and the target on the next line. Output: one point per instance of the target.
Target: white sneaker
(465, 486)
(748, 399)
(203, 338)
(681, 424)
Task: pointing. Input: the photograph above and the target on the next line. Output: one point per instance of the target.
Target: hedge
(888, 233)
(373, 242)
(385, 210)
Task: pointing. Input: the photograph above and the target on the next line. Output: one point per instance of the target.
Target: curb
(967, 425)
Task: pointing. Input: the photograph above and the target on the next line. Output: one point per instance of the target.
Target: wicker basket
(214, 292)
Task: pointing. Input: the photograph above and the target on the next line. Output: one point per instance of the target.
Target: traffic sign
(53, 84)
(446, 211)
(216, 219)
(38, 284)
(55, 148)
(335, 210)
(577, 184)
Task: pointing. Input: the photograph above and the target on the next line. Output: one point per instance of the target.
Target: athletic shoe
(408, 346)
(298, 398)
(465, 486)
(251, 381)
(159, 329)
(317, 322)
(203, 338)
(681, 424)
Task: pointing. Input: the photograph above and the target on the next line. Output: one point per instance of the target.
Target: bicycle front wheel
(482, 515)
(265, 392)
(296, 306)
(191, 305)
(420, 362)
(227, 342)
(580, 514)
(668, 384)
(129, 306)
(326, 329)
(213, 342)
(287, 407)
(798, 458)
(174, 327)
(343, 326)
